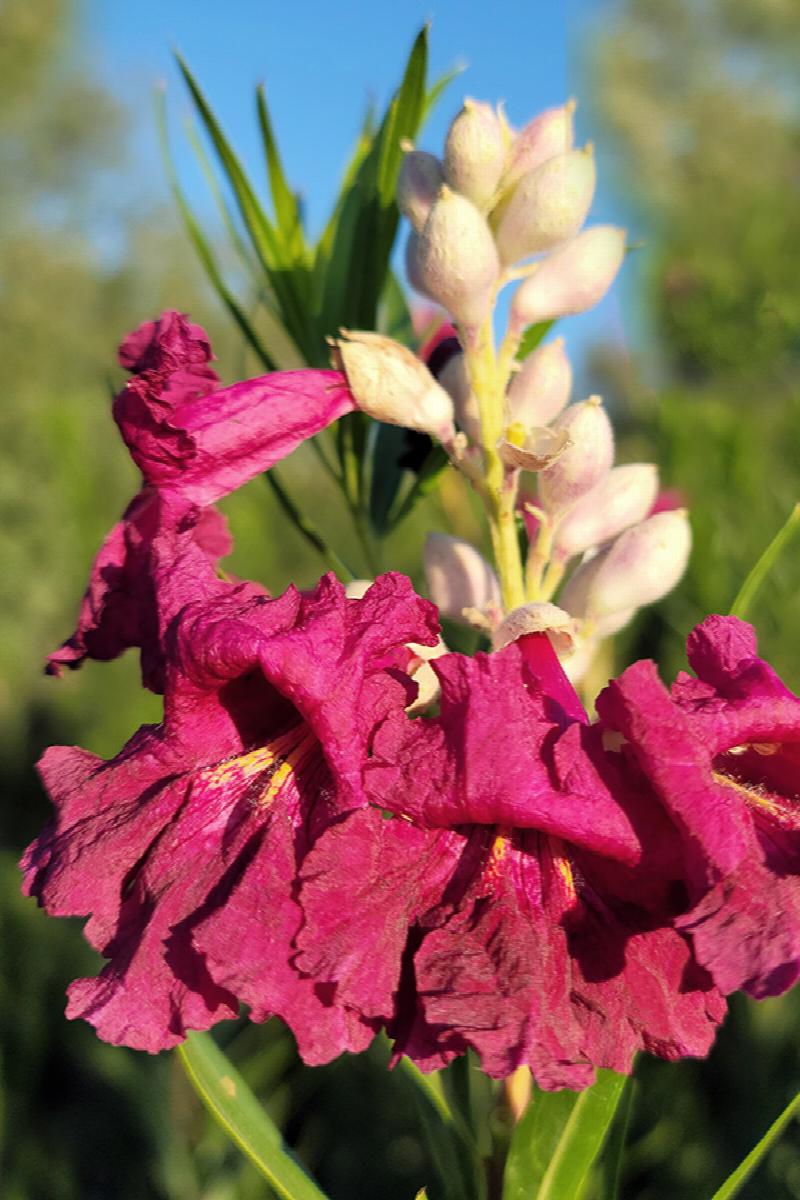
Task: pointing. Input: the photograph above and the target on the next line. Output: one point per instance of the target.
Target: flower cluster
(306, 832)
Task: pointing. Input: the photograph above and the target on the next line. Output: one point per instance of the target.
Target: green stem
(488, 382)
(754, 580)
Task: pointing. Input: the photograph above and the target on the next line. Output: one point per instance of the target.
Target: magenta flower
(184, 849)
(194, 442)
(722, 753)
(537, 894)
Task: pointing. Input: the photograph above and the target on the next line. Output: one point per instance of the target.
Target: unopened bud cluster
(498, 197)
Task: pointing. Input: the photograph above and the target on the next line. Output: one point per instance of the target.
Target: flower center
(262, 773)
(764, 775)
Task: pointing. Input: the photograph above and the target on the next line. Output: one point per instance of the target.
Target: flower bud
(456, 260)
(623, 498)
(475, 153)
(455, 380)
(547, 206)
(418, 185)
(573, 278)
(424, 676)
(547, 135)
(459, 578)
(391, 384)
(641, 566)
(585, 461)
(540, 389)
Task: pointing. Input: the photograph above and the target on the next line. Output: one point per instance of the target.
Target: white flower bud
(456, 260)
(547, 206)
(541, 388)
(391, 384)
(623, 498)
(418, 185)
(538, 617)
(356, 589)
(573, 278)
(547, 135)
(455, 380)
(641, 566)
(475, 153)
(459, 578)
(585, 461)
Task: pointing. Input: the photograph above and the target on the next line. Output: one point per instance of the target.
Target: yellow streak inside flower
(277, 761)
(750, 794)
(565, 871)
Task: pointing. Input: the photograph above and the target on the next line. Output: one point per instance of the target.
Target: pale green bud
(459, 579)
(573, 278)
(391, 384)
(585, 461)
(475, 152)
(456, 259)
(547, 206)
(623, 498)
(418, 185)
(541, 388)
(547, 135)
(642, 565)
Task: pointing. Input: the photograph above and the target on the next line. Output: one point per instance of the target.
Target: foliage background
(696, 101)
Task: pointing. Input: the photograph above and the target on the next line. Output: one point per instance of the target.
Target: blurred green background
(698, 107)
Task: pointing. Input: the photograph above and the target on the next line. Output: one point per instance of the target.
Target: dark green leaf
(387, 475)
(232, 1104)
(423, 485)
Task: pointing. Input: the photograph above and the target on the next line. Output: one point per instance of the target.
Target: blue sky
(322, 62)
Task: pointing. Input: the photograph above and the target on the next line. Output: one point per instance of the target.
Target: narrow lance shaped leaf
(368, 220)
(559, 1138)
(272, 254)
(287, 208)
(735, 1182)
(234, 1107)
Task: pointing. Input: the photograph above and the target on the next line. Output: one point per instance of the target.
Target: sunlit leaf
(533, 336)
(766, 562)
(737, 1180)
(232, 1104)
(287, 208)
(558, 1139)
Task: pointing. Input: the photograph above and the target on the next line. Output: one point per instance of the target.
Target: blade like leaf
(559, 1138)
(287, 208)
(735, 1182)
(533, 336)
(230, 1101)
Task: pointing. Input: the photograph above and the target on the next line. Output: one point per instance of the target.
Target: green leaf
(203, 248)
(289, 286)
(532, 337)
(558, 1139)
(435, 93)
(615, 1149)
(450, 1145)
(387, 474)
(367, 221)
(766, 562)
(231, 1103)
(734, 1182)
(287, 209)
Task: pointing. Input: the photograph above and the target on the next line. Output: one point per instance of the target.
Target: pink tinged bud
(456, 260)
(623, 498)
(418, 185)
(475, 153)
(459, 578)
(584, 462)
(547, 135)
(412, 264)
(573, 278)
(541, 388)
(640, 567)
(454, 378)
(547, 206)
(391, 384)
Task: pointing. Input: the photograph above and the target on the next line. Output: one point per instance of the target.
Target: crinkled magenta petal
(161, 554)
(487, 758)
(363, 886)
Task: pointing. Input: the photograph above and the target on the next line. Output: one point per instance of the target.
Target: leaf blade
(230, 1101)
